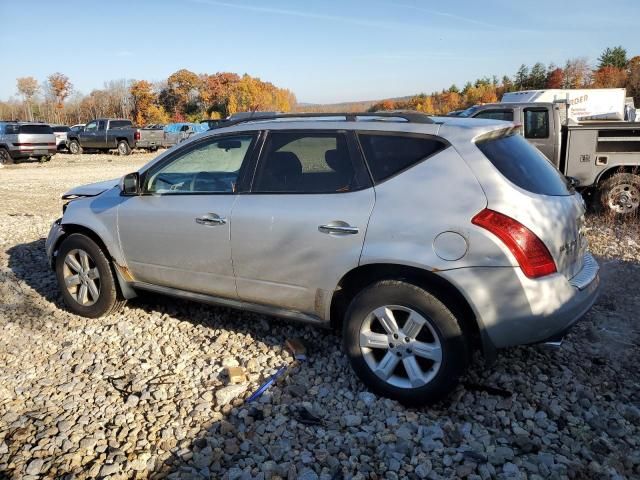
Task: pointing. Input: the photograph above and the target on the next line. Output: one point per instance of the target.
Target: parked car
(77, 127)
(175, 133)
(342, 222)
(60, 132)
(113, 133)
(22, 140)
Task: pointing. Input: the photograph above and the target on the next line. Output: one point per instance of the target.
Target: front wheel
(85, 278)
(404, 343)
(620, 194)
(74, 147)
(123, 148)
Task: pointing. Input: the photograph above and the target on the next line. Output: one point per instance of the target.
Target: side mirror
(130, 184)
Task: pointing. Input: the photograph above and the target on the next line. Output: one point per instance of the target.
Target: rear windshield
(35, 129)
(119, 123)
(60, 129)
(524, 165)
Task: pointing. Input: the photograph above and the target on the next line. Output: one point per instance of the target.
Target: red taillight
(532, 255)
(136, 136)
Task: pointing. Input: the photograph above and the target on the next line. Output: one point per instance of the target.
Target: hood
(90, 190)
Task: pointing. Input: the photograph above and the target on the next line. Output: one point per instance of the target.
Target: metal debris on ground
(297, 348)
(265, 386)
(304, 416)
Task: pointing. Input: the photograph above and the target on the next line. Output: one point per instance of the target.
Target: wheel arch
(611, 171)
(71, 228)
(364, 275)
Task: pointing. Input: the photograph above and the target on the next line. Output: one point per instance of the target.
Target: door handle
(345, 229)
(211, 220)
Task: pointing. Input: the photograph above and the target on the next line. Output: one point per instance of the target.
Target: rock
(226, 394)
(109, 469)
(34, 467)
(307, 474)
(367, 398)
(423, 469)
(351, 420)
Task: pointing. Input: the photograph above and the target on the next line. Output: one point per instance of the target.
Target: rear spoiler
(512, 129)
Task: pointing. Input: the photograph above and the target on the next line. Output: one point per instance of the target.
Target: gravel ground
(142, 394)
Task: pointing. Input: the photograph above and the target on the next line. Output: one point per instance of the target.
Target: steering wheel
(219, 185)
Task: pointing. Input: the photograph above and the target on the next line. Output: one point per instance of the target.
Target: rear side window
(60, 129)
(37, 129)
(119, 123)
(522, 164)
(505, 115)
(390, 154)
(308, 162)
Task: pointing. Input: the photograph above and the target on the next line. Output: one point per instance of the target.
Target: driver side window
(211, 167)
(91, 126)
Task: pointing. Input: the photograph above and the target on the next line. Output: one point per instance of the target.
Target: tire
(124, 148)
(96, 269)
(620, 194)
(433, 326)
(75, 148)
(5, 157)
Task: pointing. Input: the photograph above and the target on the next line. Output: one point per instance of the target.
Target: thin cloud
(363, 22)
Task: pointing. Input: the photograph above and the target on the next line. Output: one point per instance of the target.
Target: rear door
(302, 226)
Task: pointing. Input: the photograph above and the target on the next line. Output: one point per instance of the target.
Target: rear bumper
(513, 309)
(26, 152)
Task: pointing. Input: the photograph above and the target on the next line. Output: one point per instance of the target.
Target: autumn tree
(215, 91)
(633, 79)
(613, 57)
(522, 77)
(555, 78)
(609, 77)
(27, 87)
(143, 99)
(60, 87)
(182, 93)
(576, 73)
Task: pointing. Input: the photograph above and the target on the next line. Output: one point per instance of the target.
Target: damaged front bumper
(52, 241)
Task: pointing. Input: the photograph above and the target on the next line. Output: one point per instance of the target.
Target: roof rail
(408, 116)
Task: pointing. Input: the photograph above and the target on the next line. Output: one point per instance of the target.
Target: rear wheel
(123, 148)
(74, 147)
(620, 194)
(5, 157)
(404, 343)
(86, 279)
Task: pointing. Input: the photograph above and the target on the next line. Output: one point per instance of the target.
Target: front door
(303, 224)
(88, 135)
(176, 234)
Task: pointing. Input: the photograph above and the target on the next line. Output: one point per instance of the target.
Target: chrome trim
(588, 273)
(231, 303)
(212, 220)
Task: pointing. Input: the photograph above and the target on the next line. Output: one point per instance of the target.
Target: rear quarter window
(523, 165)
(36, 129)
(388, 155)
(60, 129)
(119, 124)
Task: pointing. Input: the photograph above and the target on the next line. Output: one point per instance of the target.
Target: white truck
(582, 104)
(601, 155)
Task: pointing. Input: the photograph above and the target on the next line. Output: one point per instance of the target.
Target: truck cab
(541, 123)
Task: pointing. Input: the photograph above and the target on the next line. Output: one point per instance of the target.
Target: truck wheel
(74, 147)
(620, 193)
(124, 148)
(5, 157)
(404, 343)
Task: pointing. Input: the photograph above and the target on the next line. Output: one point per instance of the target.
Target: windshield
(469, 111)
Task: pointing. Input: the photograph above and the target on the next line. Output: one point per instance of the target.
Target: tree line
(183, 96)
(613, 70)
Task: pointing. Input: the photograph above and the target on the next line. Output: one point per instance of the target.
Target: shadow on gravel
(581, 394)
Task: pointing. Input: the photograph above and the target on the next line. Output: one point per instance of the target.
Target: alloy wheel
(81, 277)
(401, 346)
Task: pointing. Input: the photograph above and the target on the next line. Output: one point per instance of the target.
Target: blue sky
(325, 51)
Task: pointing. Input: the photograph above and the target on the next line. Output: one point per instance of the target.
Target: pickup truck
(602, 158)
(113, 133)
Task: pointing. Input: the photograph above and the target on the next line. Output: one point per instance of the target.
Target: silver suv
(22, 140)
(421, 238)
